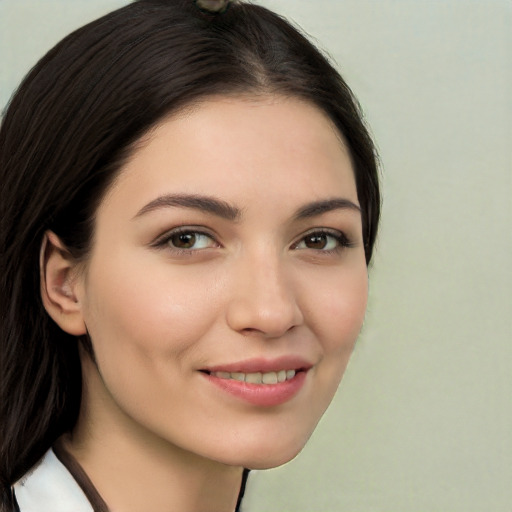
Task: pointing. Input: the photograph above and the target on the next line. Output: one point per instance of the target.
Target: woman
(190, 201)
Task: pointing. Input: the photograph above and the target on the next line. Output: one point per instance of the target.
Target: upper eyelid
(322, 230)
(201, 230)
(341, 236)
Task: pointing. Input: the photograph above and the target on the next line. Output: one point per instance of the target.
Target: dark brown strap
(77, 472)
(242, 491)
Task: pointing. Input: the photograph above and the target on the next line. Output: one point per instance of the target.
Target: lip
(262, 395)
(263, 365)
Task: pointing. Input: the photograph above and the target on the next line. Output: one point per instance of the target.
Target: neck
(134, 469)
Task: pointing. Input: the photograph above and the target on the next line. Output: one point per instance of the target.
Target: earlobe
(59, 285)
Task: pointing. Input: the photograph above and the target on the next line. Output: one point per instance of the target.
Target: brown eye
(325, 241)
(183, 240)
(316, 241)
(189, 240)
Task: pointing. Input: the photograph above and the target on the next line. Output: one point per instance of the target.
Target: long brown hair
(66, 133)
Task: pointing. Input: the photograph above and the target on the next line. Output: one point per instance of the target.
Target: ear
(59, 284)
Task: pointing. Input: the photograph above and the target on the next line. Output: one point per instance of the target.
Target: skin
(251, 287)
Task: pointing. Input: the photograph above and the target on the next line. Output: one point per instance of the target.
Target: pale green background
(423, 419)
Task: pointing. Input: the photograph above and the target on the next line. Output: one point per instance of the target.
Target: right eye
(188, 240)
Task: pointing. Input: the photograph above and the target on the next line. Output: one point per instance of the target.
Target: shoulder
(49, 487)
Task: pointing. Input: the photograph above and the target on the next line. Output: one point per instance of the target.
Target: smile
(260, 382)
(267, 378)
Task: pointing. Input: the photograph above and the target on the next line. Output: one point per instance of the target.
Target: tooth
(290, 374)
(257, 377)
(269, 378)
(253, 378)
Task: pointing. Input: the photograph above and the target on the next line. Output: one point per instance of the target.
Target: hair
(66, 133)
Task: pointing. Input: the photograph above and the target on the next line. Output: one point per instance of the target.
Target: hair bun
(213, 6)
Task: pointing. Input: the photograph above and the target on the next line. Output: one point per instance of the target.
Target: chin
(273, 459)
(270, 462)
(266, 452)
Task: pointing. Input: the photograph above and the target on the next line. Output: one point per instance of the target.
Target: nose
(264, 300)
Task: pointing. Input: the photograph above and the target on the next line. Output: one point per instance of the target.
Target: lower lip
(264, 395)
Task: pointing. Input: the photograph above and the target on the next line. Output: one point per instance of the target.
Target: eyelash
(163, 242)
(342, 241)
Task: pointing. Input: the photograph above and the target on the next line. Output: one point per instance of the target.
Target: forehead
(239, 146)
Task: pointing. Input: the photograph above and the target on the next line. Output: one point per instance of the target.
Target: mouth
(264, 378)
(260, 382)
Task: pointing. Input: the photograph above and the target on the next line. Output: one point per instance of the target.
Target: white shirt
(49, 487)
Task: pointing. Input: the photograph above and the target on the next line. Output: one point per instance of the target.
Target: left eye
(320, 241)
(190, 240)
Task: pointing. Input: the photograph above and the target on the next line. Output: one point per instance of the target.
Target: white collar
(49, 487)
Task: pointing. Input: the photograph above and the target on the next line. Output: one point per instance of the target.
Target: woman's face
(228, 249)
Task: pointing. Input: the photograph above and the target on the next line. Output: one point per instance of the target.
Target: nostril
(251, 330)
(268, 333)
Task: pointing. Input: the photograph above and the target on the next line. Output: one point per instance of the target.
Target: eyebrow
(197, 202)
(226, 211)
(324, 206)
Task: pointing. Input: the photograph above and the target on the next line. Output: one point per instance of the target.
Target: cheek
(337, 317)
(144, 313)
(146, 328)
(339, 308)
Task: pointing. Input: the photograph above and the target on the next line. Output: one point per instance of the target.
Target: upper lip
(263, 365)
